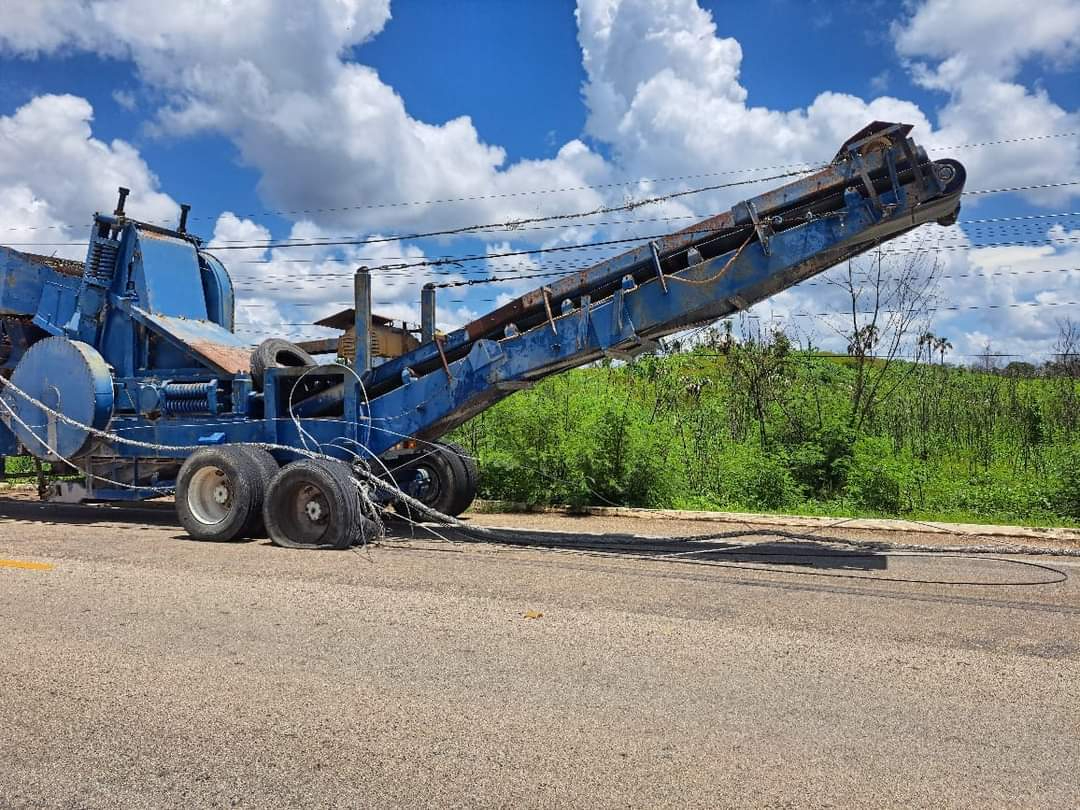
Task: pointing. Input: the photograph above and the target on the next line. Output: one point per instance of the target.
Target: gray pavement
(146, 670)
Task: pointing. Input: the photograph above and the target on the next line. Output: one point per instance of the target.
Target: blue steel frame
(159, 310)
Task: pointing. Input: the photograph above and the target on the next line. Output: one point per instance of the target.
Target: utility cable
(806, 169)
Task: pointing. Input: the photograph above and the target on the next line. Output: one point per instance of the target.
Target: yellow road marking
(26, 564)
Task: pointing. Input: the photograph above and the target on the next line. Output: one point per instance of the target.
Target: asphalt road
(145, 670)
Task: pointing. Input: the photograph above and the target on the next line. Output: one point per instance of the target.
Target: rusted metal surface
(874, 132)
(832, 178)
(346, 317)
(231, 359)
(218, 347)
(66, 267)
(319, 346)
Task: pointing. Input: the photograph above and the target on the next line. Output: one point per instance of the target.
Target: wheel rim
(307, 512)
(429, 487)
(210, 495)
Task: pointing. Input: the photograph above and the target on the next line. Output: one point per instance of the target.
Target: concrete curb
(1061, 535)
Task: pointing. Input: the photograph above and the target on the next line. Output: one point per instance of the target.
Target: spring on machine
(189, 397)
(103, 260)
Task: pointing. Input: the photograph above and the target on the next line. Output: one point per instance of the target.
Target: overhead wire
(806, 167)
(257, 328)
(579, 215)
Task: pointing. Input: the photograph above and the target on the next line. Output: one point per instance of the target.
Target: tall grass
(765, 427)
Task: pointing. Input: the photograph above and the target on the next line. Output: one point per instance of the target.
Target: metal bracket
(763, 230)
(867, 182)
(629, 351)
(442, 356)
(513, 385)
(620, 329)
(546, 292)
(912, 160)
(656, 265)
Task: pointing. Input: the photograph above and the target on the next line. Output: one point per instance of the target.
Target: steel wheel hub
(209, 495)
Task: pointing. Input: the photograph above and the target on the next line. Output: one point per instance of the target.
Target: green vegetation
(757, 425)
(19, 465)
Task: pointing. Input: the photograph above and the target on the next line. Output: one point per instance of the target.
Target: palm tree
(928, 341)
(863, 341)
(942, 345)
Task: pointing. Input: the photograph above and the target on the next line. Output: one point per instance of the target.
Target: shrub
(1067, 491)
(819, 463)
(627, 462)
(15, 465)
(752, 479)
(880, 480)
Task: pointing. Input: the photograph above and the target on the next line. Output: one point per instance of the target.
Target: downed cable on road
(610, 550)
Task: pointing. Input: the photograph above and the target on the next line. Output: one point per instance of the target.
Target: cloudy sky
(362, 119)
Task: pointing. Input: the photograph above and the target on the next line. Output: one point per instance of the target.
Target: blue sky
(495, 98)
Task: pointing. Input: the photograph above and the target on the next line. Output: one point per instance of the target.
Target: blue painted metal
(220, 297)
(69, 377)
(171, 280)
(159, 308)
(786, 203)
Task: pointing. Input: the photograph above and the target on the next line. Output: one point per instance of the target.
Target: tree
(987, 362)
(942, 345)
(1065, 370)
(760, 368)
(888, 301)
(1020, 368)
(926, 344)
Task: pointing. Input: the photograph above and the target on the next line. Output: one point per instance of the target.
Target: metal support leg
(362, 323)
(427, 313)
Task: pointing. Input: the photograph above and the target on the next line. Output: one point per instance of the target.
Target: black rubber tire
(276, 353)
(267, 468)
(239, 474)
(467, 492)
(448, 481)
(327, 484)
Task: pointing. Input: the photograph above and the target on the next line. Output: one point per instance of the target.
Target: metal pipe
(427, 313)
(119, 212)
(362, 320)
(182, 227)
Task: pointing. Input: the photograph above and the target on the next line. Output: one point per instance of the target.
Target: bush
(752, 479)
(878, 479)
(819, 464)
(997, 493)
(1067, 495)
(681, 430)
(15, 465)
(628, 461)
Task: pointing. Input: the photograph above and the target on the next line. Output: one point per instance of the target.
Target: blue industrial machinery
(126, 365)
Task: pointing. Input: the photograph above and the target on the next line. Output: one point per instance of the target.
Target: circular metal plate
(70, 377)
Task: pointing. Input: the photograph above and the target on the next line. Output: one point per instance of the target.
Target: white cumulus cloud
(326, 134)
(54, 175)
(334, 142)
